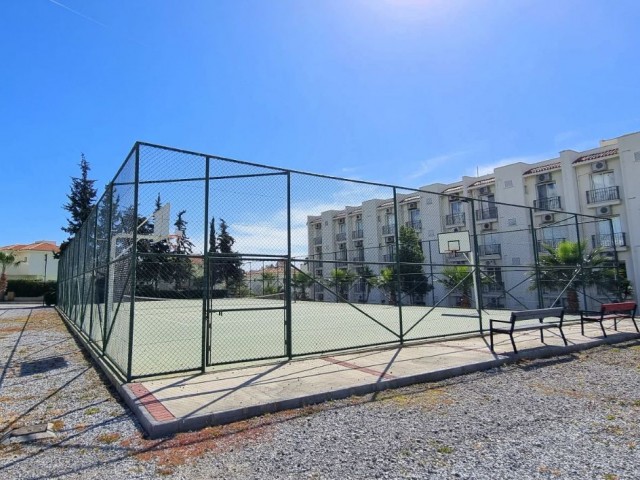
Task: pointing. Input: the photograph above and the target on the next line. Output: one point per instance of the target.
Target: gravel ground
(573, 417)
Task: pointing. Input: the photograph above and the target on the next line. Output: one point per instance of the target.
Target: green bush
(51, 298)
(30, 288)
(149, 291)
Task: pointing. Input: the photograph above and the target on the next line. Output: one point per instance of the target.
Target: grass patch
(91, 411)
(108, 438)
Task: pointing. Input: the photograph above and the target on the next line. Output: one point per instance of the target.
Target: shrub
(30, 288)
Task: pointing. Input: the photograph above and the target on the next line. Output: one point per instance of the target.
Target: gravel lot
(574, 417)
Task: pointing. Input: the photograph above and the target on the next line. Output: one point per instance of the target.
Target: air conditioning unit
(389, 240)
(413, 205)
(604, 211)
(486, 226)
(358, 217)
(547, 218)
(454, 197)
(544, 177)
(389, 210)
(318, 226)
(599, 166)
(341, 220)
(484, 190)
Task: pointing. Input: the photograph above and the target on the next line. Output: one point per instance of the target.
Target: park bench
(610, 311)
(547, 318)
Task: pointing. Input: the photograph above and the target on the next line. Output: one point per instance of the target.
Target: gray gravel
(573, 417)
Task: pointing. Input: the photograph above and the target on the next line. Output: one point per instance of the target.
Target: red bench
(610, 311)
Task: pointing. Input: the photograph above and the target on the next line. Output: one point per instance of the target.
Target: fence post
(206, 287)
(287, 273)
(581, 254)
(396, 233)
(134, 263)
(536, 259)
(477, 278)
(107, 278)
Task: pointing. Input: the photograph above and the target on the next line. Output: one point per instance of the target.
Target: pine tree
(182, 268)
(81, 198)
(229, 266)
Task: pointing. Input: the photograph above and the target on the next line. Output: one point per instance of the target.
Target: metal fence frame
(97, 282)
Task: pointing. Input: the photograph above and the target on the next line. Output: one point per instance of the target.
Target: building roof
(455, 188)
(543, 168)
(596, 156)
(486, 181)
(37, 246)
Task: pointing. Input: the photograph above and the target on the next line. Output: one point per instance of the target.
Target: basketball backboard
(454, 242)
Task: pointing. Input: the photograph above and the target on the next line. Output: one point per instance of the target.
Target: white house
(34, 261)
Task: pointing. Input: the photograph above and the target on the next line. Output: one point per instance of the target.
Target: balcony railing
(317, 241)
(491, 249)
(455, 257)
(390, 257)
(388, 229)
(493, 287)
(454, 219)
(358, 257)
(553, 243)
(416, 225)
(341, 237)
(551, 203)
(490, 213)
(609, 241)
(603, 194)
(357, 234)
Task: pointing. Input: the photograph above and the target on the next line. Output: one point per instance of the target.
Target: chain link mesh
(190, 260)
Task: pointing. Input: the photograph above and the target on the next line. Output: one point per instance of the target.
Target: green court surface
(168, 334)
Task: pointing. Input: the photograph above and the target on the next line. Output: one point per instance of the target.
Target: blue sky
(400, 91)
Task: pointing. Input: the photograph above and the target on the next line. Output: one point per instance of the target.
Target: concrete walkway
(177, 404)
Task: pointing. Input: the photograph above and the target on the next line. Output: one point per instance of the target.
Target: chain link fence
(191, 260)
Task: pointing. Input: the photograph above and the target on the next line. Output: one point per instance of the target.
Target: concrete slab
(170, 405)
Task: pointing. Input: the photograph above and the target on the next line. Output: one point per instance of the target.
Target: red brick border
(157, 410)
(353, 366)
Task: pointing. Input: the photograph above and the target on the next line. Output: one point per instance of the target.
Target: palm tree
(567, 268)
(370, 281)
(6, 259)
(387, 282)
(301, 281)
(458, 278)
(342, 280)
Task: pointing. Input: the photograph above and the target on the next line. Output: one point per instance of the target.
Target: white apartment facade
(600, 182)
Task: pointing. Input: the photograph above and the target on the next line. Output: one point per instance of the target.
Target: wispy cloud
(432, 164)
(75, 12)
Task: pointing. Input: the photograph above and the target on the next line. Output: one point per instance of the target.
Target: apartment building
(600, 182)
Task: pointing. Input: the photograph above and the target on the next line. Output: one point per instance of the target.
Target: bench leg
(564, 339)
(491, 337)
(635, 324)
(542, 335)
(582, 326)
(603, 330)
(515, 350)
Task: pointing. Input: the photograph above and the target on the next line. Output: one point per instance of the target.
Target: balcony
(609, 241)
(357, 234)
(388, 229)
(416, 225)
(550, 203)
(454, 219)
(358, 257)
(493, 287)
(490, 213)
(603, 195)
(390, 257)
(341, 237)
(552, 243)
(457, 257)
(491, 249)
(317, 241)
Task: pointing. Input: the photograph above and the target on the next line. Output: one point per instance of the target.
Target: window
(546, 190)
(390, 220)
(414, 216)
(358, 225)
(456, 207)
(602, 180)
